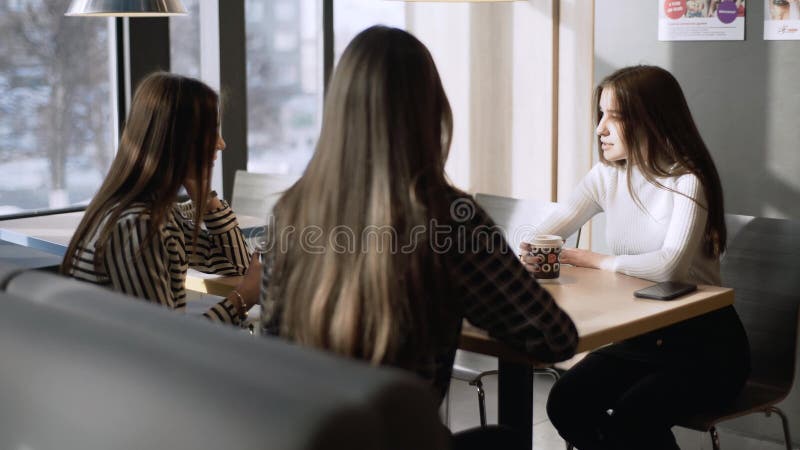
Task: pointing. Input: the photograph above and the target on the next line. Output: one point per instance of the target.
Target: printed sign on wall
(782, 20)
(701, 20)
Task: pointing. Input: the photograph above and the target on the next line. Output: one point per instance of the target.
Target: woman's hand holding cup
(540, 256)
(528, 261)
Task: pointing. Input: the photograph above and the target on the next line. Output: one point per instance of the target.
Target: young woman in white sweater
(660, 191)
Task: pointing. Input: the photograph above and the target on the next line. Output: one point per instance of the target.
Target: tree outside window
(56, 125)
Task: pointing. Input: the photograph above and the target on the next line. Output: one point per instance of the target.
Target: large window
(184, 36)
(284, 83)
(284, 73)
(57, 76)
(56, 123)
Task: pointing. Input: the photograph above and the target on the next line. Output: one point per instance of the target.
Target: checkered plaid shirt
(485, 284)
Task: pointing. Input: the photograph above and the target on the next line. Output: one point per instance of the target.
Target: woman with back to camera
(134, 237)
(660, 191)
(397, 296)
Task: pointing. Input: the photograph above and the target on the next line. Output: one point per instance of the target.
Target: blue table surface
(27, 257)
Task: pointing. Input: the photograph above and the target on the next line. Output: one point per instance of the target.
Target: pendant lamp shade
(461, 1)
(126, 8)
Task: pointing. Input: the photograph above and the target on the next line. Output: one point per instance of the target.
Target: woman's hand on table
(583, 258)
(250, 287)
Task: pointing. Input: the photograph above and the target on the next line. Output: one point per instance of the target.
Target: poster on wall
(782, 20)
(701, 20)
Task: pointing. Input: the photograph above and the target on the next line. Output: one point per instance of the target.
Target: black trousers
(609, 402)
(490, 437)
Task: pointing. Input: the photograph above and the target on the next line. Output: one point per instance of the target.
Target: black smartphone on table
(666, 290)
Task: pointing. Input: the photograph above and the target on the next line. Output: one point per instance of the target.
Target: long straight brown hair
(379, 165)
(170, 136)
(662, 140)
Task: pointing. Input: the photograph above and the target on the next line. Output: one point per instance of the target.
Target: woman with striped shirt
(134, 236)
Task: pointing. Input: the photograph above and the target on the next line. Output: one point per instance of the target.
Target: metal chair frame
(475, 379)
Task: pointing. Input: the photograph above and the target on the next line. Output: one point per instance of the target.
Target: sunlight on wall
(444, 28)
(496, 62)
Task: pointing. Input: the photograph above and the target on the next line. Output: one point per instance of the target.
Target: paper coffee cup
(547, 249)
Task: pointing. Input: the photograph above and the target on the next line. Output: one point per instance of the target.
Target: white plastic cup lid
(547, 240)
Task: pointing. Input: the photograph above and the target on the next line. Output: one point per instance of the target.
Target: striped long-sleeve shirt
(157, 271)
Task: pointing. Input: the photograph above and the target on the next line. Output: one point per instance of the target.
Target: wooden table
(600, 303)
(211, 284)
(604, 310)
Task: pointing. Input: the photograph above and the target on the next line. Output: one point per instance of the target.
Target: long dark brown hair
(379, 164)
(170, 136)
(662, 139)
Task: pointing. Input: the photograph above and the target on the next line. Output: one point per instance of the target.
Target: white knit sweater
(663, 242)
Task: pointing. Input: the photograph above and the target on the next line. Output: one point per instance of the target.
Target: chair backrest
(516, 216)
(93, 369)
(254, 194)
(762, 265)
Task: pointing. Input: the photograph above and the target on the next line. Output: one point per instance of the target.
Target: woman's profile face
(220, 145)
(610, 128)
